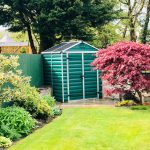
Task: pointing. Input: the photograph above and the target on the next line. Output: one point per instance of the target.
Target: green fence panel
(31, 65)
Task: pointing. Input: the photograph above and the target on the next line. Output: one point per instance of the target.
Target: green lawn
(92, 129)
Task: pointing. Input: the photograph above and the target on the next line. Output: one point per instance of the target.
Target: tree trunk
(27, 25)
(132, 31)
(120, 97)
(125, 31)
(131, 22)
(145, 28)
(34, 51)
(140, 97)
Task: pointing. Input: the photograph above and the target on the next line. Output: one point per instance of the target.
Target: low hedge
(15, 122)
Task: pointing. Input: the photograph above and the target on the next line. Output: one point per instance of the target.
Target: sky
(2, 28)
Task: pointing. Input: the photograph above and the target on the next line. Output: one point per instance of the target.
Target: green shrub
(29, 98)
(11, 79)
(44, 111)
(5, 142)
(16, 88)
(52, 103)
(23, 50)
(56, 110)
(50, 100)
(139, 107)
(15, 122)
(125, 103)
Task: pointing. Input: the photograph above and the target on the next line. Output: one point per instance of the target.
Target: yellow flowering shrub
(125, 103)
(10, 77)
(16, 88)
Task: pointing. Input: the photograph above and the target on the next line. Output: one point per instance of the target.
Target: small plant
(139, 107)
(5, 142)
(52, 103)
(23, 50)
(56, 110)
(50, 100)
(15, 122)
(44, 111)
(125, 103)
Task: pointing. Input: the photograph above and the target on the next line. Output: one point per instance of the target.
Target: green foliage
(64, 19)
(49, 99)
(56, 110)
(106, 35)
(43, 110)
(139, 107)
(29, 98)
(5, 142)
(52, 103)
(125, 103)
(23, 50)
(15, 122)
(11, 79)
(15, 87)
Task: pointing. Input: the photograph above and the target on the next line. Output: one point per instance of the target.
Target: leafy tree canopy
(122, 65)
(51, 21)
(106, 35)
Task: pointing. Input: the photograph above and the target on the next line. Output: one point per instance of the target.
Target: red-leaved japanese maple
(122, 65)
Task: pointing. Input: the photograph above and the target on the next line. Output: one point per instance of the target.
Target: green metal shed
(67, 69)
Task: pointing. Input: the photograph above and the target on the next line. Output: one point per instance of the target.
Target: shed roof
(7, 41)
(64, 46)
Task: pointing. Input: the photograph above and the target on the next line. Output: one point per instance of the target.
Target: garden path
(88, 103)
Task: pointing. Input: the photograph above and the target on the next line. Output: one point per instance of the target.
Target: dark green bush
(15, 122)
(139, 107)
(5, 142)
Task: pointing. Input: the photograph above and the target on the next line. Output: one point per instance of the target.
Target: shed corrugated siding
(75, 76)
(55, 81)
(91, 78)
(57, 76)
(47, 68)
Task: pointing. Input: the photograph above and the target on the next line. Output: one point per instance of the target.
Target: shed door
(91, 78)
(74, 74)
(83, 81)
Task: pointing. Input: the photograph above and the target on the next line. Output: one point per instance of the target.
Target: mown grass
(92, 129)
